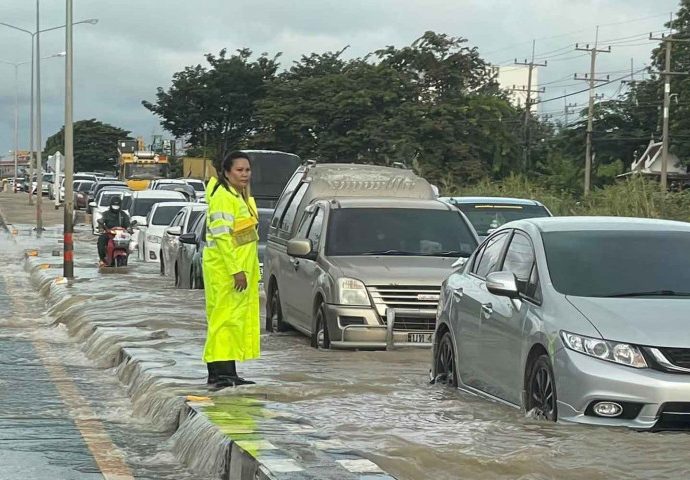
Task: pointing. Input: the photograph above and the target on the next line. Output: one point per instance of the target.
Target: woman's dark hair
(227, 164)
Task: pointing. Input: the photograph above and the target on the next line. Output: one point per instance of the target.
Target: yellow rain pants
(232, 316)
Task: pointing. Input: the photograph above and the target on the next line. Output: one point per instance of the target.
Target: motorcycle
(117, 249)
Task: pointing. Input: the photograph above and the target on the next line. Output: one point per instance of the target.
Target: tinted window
(316, 229)
(610, 263)
(84, 186)
(197, 186)
(177, 221)
(519, 258)
(285, 198)
(270, 172)
(289, 217)
(486, 216)
(264, 223)
(142, 206)
(194, 214)
(398, 231)
(491, 255)
(106, 198)
(304, 225)
(164, 214)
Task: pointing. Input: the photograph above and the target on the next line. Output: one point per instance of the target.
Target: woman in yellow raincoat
(231, 273)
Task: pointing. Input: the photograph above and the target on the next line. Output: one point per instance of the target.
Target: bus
(138, 167)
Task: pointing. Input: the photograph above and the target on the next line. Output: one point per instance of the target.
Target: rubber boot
(227, 375)
(212, 374)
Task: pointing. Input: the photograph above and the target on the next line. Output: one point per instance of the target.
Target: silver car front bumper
(371, 333)
(582, 380)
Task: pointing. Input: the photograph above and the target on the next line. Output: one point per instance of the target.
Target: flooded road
(64, 417)
(377, 403)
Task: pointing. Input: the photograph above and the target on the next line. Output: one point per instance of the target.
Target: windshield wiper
(651, 293)
(449, 253)
(390, 252)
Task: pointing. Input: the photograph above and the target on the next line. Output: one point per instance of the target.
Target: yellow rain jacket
(232, 316)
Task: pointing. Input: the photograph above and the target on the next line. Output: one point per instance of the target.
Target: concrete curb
(235, 436)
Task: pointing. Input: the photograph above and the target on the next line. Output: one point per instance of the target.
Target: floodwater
(378, 403)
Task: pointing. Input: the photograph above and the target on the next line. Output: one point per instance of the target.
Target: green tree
(215, 104)
(95, 145)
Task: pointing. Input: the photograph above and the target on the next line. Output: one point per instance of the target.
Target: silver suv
(357, 271)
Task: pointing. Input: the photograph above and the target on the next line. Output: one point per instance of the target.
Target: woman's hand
(240, 281)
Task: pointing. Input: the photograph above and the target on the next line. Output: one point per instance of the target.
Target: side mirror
(133, 223)
(188, 238)
(300, 248)
(175, 231)
(503, 284)
(92, 204)
(459, 263)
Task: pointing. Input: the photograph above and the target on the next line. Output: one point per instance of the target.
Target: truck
(271, 170)
(138, 166)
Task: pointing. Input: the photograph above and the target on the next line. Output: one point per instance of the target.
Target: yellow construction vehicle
(138, 166)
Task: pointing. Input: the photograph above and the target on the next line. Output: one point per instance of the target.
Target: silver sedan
(580, 319)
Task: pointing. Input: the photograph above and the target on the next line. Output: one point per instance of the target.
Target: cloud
(138, 45)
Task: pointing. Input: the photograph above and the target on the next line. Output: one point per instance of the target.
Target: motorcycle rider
(113, 217)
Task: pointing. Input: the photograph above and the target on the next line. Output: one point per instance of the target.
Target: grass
(634, 197)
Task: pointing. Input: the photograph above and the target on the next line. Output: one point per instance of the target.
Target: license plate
(419, 337)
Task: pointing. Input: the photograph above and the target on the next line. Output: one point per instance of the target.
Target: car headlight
(622, 353)
(352, 292)
(153, 238)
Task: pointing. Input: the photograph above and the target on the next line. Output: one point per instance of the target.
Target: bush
(633, 197)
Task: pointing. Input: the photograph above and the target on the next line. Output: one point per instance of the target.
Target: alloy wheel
(445, 362)
(542, 390)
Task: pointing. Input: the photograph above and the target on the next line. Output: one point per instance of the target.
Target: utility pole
(568, 108)
(68, 256)
(667, 73)
(528, 105)
(591, 78)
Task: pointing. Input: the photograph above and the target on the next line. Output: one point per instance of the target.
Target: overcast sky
(137, 45)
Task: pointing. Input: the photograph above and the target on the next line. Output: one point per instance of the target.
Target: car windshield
(145, 171)
(618, 263)
(164, 214)
(84, 186)
(486, 217)
(398, 231)
(197, 186)
(107, 197)
(142, 206)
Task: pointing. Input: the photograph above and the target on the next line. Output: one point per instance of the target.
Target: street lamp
(16, 66)
(36, 129)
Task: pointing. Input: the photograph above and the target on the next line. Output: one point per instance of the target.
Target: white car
(143, 200)
(199, 188)
(101, 204)
(151, 232)
(170, 244)
(76, 178)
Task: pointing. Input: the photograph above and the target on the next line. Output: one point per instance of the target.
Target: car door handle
(457, 292)
(487, 309)
(295, 263)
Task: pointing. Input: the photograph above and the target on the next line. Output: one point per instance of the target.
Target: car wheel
(541, 390)
(162, 264)
(444, 362)
(178, 280)
(274, 313)
(320, 338)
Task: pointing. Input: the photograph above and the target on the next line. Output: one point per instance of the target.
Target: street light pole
(90, 21)
(16, 122)
(39, 161)
(68, 256)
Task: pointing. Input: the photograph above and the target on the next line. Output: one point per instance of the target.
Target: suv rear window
(399, 231)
